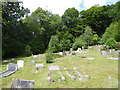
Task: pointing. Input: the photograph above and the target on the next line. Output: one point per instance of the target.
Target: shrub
(28, 51)
(65, 44)
(111, 43)
(49, 56)
(79, 42)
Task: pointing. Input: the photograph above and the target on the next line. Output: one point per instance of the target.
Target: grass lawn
(102, 73)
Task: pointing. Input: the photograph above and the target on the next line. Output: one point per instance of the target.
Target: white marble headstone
(39, 65)
(54, 68)
(20, 63)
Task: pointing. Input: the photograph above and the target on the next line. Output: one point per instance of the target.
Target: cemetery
(59, 44)
(82, 68)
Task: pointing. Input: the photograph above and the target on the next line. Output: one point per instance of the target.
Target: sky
(59, 6)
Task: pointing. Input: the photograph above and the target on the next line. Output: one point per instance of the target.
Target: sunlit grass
(99, 70)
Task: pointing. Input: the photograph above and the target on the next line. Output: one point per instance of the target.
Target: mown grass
(99, 70)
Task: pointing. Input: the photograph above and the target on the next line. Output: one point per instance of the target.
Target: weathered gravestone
(78, 50)
(11, 68)
(54, 68)
(103, 53)
(39, 65)
(22, 84)
(33, 61)
(12, 59)
(62, 53)
(20, 63)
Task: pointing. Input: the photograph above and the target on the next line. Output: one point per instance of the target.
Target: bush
(65, 44)
(28, 51)
(79, 42)
(49, 56)
(111, 43)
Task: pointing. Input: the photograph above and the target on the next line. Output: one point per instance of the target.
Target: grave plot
(11, 68)
(54, 74)
(38, 66)
(75, 75)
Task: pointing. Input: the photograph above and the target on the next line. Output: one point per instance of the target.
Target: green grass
(100, 68)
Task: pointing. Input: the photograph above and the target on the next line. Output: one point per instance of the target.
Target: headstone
(62, 53)
(20, 63)
(54, 68)
(71, 49)
(12, 59)
(34, 56)
(103, 53)
(73, 53)
(110, 51)
(17, 83)
(73, 77)
(69, 53)
(85, 76)
(33, 61)
(12, 67)
(39, 65)
(48, 79)
(113, 58)
(82, 47)
(89, 58)
(79, 49)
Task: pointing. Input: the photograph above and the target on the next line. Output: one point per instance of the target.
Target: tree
(95, 39)
(97, 18)
(111, 43)
(27, 51)
(54, 44)
(79, 42)
(12, 12)
(112, 32)
(88, 34)
(70, 21)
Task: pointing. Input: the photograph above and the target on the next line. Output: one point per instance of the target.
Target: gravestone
(103, 53)
(20, 63)
(54, 68)
(69, 52)
(34, 56)
(12, 67)
(79, 49)
(89, 58)
(39, 65)
(12, 59)
(82, 47)
(73, 53)
(62, 53)
(22, 84)
(33, 61)
(113, 58)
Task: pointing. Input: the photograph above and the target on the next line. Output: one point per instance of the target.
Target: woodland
(24, 34)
